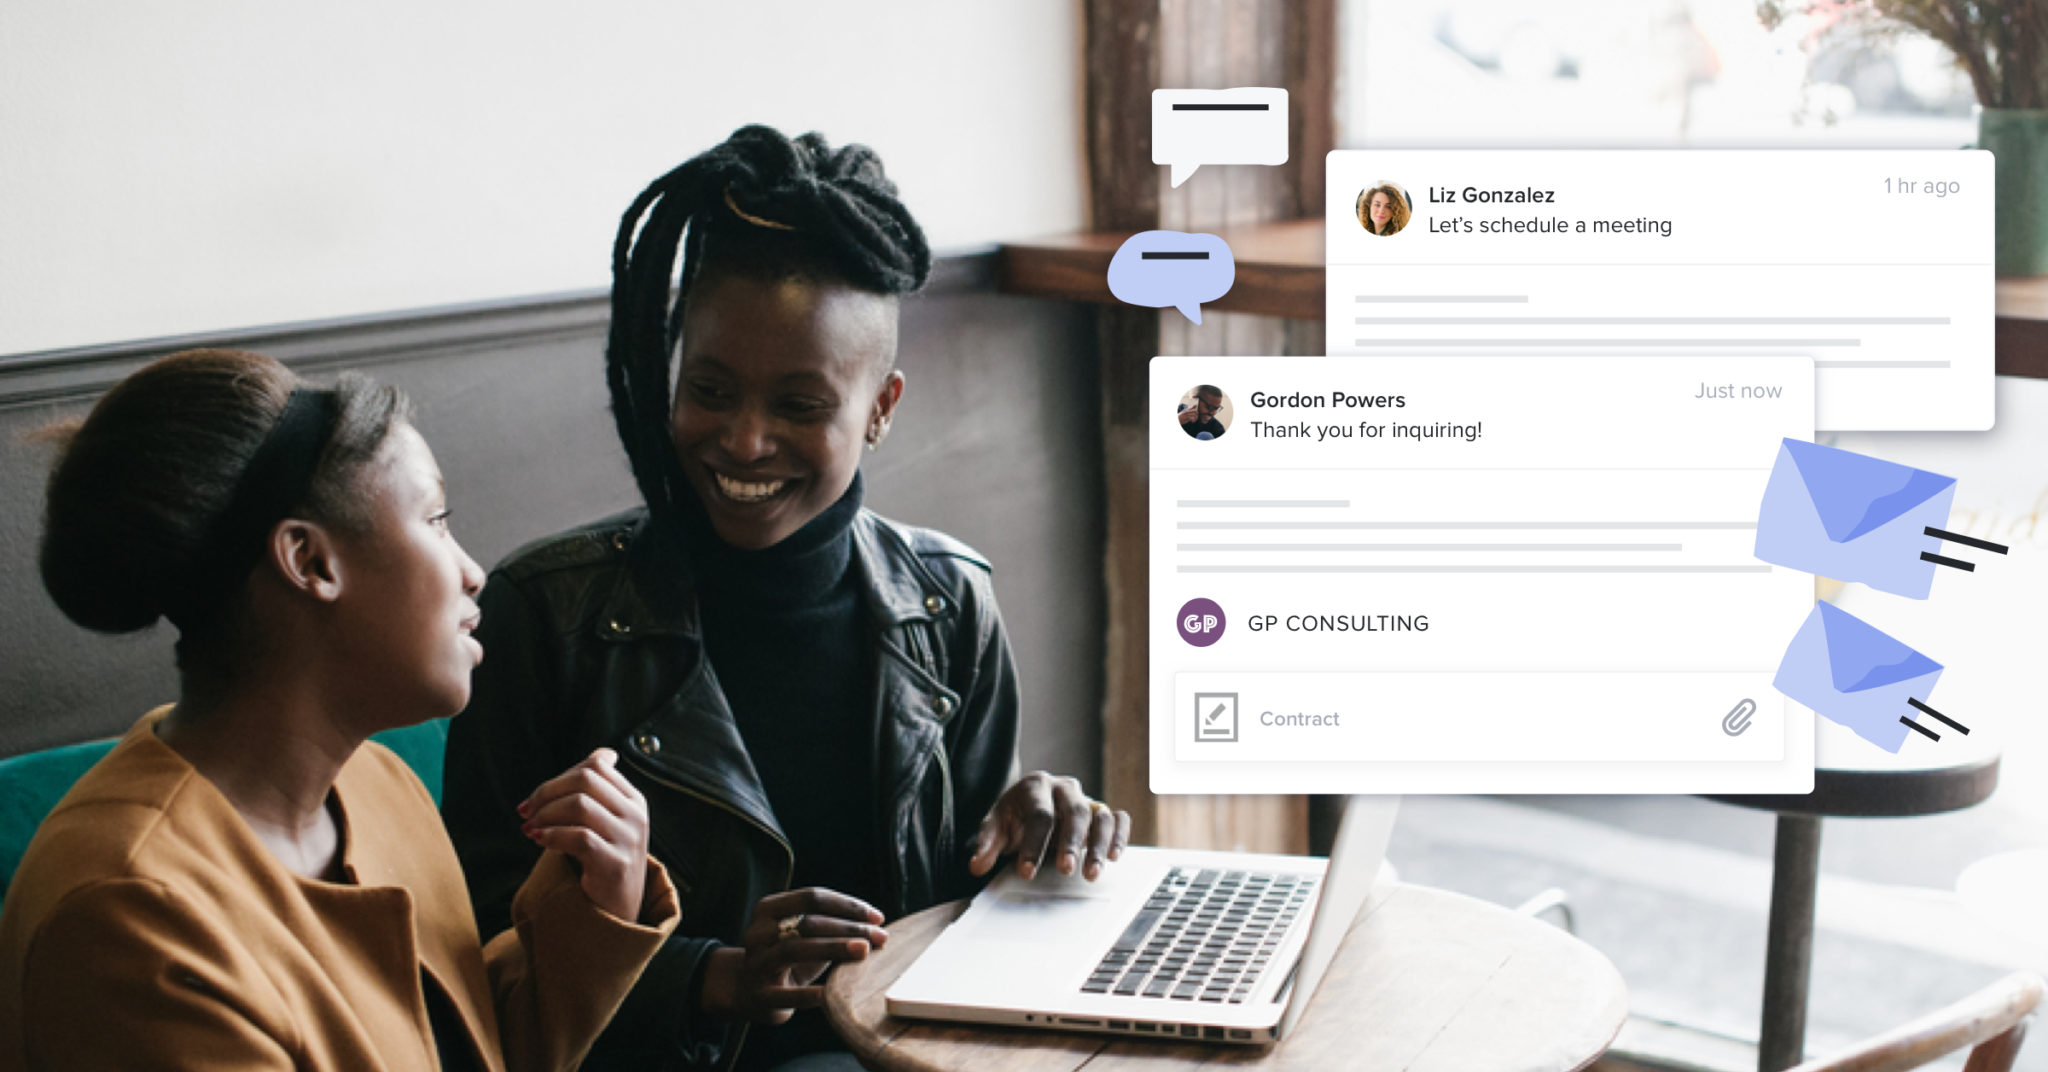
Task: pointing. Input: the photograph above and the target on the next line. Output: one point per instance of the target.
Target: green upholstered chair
(31, 785)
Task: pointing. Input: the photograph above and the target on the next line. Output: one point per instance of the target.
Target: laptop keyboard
(1202, 935)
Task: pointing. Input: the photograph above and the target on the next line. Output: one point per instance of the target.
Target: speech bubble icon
(1192, 127)
(1160, 268)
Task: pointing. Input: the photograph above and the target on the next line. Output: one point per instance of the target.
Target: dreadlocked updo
(760, 205)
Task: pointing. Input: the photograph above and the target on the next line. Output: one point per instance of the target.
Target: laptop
(1215, 946)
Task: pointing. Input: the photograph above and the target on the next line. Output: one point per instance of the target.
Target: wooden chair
(1993, 1020)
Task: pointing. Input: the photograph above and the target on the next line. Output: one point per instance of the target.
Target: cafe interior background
(428, 192)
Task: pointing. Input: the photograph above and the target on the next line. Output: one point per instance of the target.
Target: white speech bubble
(1192, 127)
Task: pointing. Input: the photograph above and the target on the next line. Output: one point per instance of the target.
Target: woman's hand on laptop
(1041, 815)
(793, 938)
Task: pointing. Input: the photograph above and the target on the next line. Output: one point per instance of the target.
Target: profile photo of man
(1204, 413)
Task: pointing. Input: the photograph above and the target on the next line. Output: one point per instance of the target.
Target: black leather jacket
(591, 638)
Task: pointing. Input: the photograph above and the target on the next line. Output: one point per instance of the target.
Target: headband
(757, 221)
(276, 482)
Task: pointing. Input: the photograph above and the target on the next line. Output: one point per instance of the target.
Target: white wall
(174, 168)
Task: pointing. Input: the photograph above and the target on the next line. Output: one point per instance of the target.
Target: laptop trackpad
(1046, 934)
(1040, 920)
(1052, 911)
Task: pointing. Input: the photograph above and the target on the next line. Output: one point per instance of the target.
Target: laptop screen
(1354, 864)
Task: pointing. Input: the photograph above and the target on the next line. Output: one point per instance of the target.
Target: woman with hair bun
(819, 703)
(246, 881)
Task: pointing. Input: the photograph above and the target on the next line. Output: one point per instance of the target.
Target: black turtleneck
(788, 636)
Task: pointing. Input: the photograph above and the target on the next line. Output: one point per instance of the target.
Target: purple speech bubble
(1161, 268)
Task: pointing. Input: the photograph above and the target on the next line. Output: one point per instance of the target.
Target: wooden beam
(1125, 333)
(1123, 70)
(1134, 47)
(1311, 104)
(1122, 54)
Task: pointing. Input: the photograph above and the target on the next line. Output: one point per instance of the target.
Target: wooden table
(1427, 980)
(2023, 327)
(1850, 779)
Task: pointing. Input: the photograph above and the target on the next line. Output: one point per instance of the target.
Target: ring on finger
(789, 927)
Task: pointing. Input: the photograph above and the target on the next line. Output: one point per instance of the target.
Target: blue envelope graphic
(1837, 513)
(1844, 668)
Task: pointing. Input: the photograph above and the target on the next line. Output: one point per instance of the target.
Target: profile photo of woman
(819, 703)
(246, 881)
(1384, 209)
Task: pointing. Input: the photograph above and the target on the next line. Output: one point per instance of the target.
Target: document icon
(1847, 670)
(1215, 716)
(1836, 513)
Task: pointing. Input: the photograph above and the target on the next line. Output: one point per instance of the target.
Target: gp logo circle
(1200, 622)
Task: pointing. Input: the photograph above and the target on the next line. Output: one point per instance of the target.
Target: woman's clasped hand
(594, 816)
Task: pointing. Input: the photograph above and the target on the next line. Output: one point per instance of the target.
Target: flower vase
(2019, 139)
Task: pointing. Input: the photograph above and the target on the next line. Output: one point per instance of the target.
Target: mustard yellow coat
(148, 929)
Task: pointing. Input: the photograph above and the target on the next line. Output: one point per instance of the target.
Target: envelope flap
(1853, 493)
(1862, 657)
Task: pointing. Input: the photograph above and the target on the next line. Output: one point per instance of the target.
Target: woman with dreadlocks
(818, 704)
